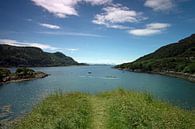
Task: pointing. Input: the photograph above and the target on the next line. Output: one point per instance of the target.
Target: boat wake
(105, 77)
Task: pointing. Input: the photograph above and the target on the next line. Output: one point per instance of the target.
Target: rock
(40, 75)
(5, 79)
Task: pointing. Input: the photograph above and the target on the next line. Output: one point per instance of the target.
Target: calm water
(22, 96)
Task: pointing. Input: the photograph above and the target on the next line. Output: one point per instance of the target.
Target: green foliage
(24, 72)
(184, 48)
(190, 68)
(4, 73)
(177, 57)
(12, 56)
(130, 110)
(58, 111)
(180, 67)
(118, 109)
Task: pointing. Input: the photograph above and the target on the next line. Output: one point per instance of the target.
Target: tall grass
(117, 109)
(58, 111)
(130, 110)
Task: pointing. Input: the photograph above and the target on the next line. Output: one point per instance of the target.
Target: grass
(130, 110)
(68, 111)
(117, 109)
(99, 113)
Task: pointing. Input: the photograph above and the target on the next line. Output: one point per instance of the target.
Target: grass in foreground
(68, 111)
(118, 109)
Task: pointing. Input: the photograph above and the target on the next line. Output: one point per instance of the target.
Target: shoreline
(185, 76)
(38, 75)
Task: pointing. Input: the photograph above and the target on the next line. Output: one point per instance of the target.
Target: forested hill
(12, 56)
(178, 57)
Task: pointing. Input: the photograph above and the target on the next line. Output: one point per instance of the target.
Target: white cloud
(50, 26)
(150, 29)
(28, 44)
(144, 32)
(60, 8)
(157, 26)
(160, 5)
(72, 34)
(43, 46)
(98, 2)
(122, 27)
(64, 8)
(115, 15)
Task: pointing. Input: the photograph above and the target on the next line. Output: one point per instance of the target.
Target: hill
(12, 56)
(176, 57)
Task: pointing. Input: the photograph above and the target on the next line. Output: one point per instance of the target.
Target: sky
(96, 31)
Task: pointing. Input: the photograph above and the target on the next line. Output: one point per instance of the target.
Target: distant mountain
(177, 57)
(12, 56)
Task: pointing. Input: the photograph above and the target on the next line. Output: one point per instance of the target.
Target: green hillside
(177, 57)
(12, 56)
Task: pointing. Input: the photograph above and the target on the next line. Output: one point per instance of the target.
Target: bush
(190, 68)
(180, 67)
(23, 72)
(4, 73)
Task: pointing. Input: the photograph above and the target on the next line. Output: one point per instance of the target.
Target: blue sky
(96, 31)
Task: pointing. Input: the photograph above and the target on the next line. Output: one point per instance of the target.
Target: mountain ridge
(175, 45)
(14, 56)
(176, 59)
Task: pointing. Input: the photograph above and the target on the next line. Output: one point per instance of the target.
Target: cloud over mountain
(28, 44)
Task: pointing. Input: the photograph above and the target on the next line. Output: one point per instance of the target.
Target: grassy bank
(118, 109)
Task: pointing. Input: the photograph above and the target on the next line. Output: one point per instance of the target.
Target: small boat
(89, 72)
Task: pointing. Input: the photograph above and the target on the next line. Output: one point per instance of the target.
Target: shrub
(4, 73)
(23, 72)
(190, 68)
(180, 67)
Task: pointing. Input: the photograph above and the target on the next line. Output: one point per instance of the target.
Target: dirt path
(98, 112)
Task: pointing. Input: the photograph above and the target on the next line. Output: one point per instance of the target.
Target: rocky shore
(37, 76)
(22, 74)
(186, 76)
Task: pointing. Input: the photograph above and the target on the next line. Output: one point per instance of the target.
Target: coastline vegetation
(21, 74)
(4, 73)
(178, 57)
(118, 109)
